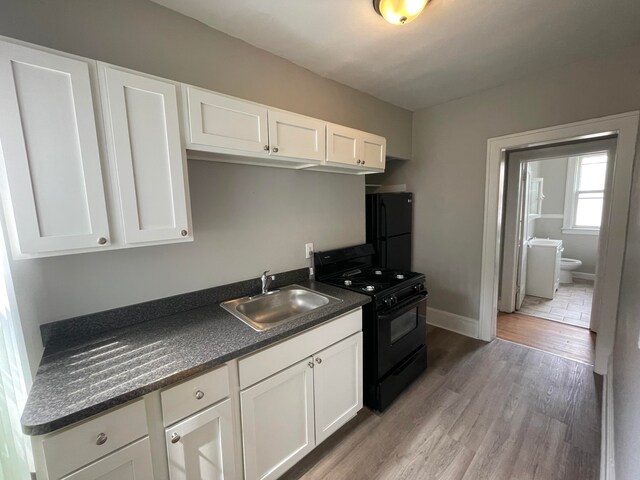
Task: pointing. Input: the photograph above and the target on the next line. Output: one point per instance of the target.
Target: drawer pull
(175, 438)
(318, 360)
(199, 394)
(101, 439)
(310, 364)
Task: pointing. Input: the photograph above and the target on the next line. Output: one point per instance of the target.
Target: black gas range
(394, 330)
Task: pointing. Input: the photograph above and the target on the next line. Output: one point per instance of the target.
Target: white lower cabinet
(114, 445)
(283, 400)
(287, 414)
(130, 463)
(337, 385)
(201, 447)
(278, 421)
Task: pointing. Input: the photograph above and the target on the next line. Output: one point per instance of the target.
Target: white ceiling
(455, 48)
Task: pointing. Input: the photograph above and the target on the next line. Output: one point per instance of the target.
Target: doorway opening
(553, 210)
(613, 230)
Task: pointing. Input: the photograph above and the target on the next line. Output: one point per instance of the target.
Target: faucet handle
(264, 274)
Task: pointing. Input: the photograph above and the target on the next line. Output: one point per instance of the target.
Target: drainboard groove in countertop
(84, 379)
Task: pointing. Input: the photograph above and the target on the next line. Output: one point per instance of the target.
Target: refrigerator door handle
(383, 211)
(383, 253)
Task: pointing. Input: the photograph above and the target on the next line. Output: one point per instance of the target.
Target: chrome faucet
(266, 281)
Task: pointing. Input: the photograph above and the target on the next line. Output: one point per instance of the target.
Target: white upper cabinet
(145, 150)
(217, 121)
(239, 131)
(373, 151)
(53, 191)
(296, 136)
(362, 151)
(343, 145)
(245, 132)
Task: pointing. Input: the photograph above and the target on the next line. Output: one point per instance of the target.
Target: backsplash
(86, 326)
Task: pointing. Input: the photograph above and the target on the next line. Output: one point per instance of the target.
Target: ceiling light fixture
(399, 12)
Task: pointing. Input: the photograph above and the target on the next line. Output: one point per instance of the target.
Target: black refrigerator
(389, 223)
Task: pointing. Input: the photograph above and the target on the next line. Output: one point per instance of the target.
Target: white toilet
(568, 265)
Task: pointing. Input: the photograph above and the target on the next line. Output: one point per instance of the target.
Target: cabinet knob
(101, 439)
(266, 148)
(310, 364)
(102, 241)
(199, 394)
(359, 162)
(183, 233)
(274, 149)
(175, 438)
(318, 360)
(363, 162)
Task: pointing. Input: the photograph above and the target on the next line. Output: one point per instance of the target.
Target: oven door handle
(403, 307)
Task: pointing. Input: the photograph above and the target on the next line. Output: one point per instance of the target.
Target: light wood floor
(553, 337)
(481, 411)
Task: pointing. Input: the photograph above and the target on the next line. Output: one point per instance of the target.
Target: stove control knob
(419, 287)
(390, 301)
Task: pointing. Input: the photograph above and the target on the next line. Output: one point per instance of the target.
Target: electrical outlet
(308, 249)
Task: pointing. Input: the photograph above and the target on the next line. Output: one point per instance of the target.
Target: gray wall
(626, 357)
(580, 247)
(447, 173)
(246, 219)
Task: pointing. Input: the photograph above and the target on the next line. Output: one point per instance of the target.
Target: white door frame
(625, 126)
(509, 251)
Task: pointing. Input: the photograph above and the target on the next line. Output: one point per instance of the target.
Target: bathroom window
(584, 196)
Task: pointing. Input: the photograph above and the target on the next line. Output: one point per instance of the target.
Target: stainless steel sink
(265, 311)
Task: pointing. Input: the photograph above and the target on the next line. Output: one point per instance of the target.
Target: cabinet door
(337, 385)
(130, 463)
(277, 421)
(141, 115)
(201, 447)
(374, 151)
(223, 122)
(54, 195)
(343, 145)
(296, 136)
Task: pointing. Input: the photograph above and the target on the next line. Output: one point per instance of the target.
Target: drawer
(188, 397)
(271, 360)
(132, 462)
(74, 447)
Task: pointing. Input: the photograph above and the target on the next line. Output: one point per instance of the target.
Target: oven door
(400, 332)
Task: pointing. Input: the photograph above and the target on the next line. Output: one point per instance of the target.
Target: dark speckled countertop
(76, 381)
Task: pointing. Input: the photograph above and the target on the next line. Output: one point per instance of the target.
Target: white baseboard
(584, 276)
(451, 321)
(607, 452)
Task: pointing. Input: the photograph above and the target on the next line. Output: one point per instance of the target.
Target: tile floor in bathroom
(571, 305)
